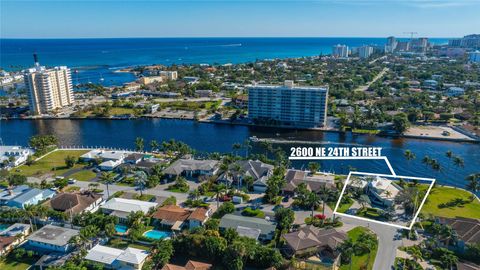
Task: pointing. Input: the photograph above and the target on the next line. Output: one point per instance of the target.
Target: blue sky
(251, 18)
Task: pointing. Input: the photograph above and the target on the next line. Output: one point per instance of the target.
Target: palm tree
(449, 260)
(426, 160)
(449, 154)
(325, 194)
(140, 182)
(107, 178)
(154, 145)
(313, 167)
(409, 155)
(236, 147)
(473, 183)
(93, 186)
(247, 146)
(139, 144)
(30, 213)
(313, 200)
(195, 194)
(458, 161)
(347, 249)
(218, 190)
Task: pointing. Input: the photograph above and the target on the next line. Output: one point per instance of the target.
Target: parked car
(72, 181)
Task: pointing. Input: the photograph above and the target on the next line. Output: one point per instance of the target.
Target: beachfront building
(13, 156)
(192, 168)
(365, 51)
(114, 258)
(52, 238)
(23, 195)
(288, 105)
(48, 89)
(241, 169)
(255, 228)
(340, 51)
(121, 208)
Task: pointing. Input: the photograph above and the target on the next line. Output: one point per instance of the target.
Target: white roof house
(122, 207)
(18, 154)
(105, 155)
(130, 258)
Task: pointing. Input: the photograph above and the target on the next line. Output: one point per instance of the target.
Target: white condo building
(365, 51)
(340, 51)
(288, 105)
(48, 89)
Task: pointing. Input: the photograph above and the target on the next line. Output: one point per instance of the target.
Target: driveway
(387, 245)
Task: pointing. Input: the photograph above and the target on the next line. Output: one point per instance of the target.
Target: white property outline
(382, 222)
(349, 158)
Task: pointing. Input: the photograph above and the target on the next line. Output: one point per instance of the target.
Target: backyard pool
(121, 229)
(3, 227)
(156, 234)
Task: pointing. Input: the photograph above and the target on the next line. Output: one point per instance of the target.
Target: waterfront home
(76, 202)
(52, 238)
(313, 241)
(109, 165)
(381, 191)
(467, 230)
(192, 168)
(121, 208)
(191, 265)
(13, 156)
(104, 155)
(133, 158)
(314, 182)
(242, 223)
(239, 170)
(23, 195)
(177, 218)
(113, 258)
(12, 236)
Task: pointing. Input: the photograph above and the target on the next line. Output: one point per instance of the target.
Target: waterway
(205, 137)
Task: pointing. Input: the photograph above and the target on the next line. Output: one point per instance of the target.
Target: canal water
(205, 137)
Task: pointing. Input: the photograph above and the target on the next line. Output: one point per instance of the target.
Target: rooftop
(54, 235)
(127, 205)
(108, 255)
(234, 221)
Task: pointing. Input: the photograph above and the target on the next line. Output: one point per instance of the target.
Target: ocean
(96, 60)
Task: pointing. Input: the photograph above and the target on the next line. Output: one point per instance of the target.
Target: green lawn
(120, 111)
(359, 261)
(53, 162)
(11, 263)
(342, 208)
(144, 197)
(439, 195)
(83, 175)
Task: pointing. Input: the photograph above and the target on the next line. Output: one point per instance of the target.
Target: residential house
(12, 236)
(133, 158)
(23, 195)
(192, 168)
(110, 159)
(242, 223)
(203, 93)
(239, 170)
(467, 230)
(314, 182)
(178, 218)
(52, 238)
(76, 202)
(13, 156)
(121, 208)
(311, 240)
(381, 191)
(113, 258)
(191, 265)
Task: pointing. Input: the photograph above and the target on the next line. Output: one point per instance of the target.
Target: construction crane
(411, 34)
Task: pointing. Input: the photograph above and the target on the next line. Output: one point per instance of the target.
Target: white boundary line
(349, 158)
(382, 222)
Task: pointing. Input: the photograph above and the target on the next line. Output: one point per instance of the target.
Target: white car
(72, 181)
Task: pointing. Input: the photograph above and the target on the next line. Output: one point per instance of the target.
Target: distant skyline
(232, 18)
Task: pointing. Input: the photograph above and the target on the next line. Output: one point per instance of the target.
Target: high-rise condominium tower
(48, 89)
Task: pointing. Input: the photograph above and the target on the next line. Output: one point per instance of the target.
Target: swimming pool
(121, 229)
(3, 227)
(156, 234)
